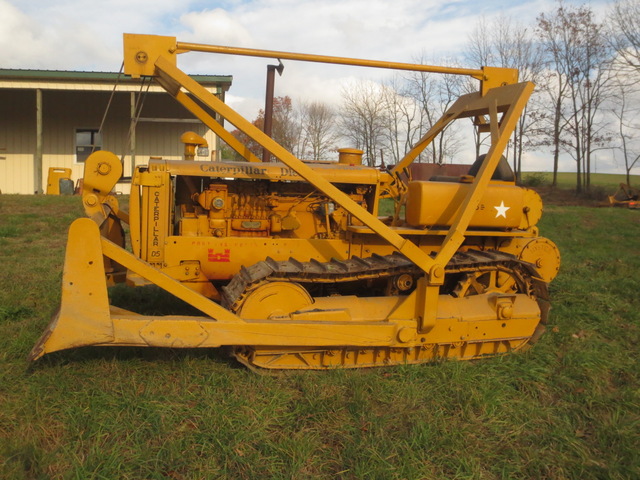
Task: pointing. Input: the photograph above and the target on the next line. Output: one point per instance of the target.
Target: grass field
(605, 182)
(569, 408)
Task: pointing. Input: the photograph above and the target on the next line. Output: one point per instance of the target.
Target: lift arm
(142, 50)
(151, 55)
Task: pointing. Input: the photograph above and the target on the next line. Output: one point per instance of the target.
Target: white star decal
(501, 210)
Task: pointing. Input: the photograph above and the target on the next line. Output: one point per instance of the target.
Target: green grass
(607, 182)
(567, 408)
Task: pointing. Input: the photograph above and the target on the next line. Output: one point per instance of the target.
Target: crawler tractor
(291, 263)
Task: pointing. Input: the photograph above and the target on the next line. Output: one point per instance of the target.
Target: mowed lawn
(607, 183)
(567, 408)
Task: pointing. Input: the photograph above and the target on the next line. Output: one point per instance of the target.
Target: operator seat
(503, 170)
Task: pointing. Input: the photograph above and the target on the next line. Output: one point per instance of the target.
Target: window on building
(88, 140)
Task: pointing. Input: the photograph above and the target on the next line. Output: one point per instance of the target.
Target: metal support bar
(509, 100)
(449, 116)
(168, 120)
(268, 104)
(37, 158)
(357, 62)
(164, 281)
(268, 108)
(516, 97)
(404, 246)
(132, 131)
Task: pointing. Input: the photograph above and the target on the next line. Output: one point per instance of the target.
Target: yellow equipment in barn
(59, 181)
(289, 261)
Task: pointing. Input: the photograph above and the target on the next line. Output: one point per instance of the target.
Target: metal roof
(96, 77)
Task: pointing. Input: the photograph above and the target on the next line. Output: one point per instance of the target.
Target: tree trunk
(556, 140)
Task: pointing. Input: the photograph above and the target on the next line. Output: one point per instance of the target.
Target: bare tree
(504, 42)
(403, 127)
(578, 52)
(318, 130)
(624, 32)
(365, 118)
(434, 94)
(625, 108)
(285, 128)
(624, 35)
(554, 83)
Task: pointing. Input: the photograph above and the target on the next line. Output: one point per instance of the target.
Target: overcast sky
(86, 35)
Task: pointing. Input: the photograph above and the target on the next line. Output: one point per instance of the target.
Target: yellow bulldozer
(626, 196)
(290, 263)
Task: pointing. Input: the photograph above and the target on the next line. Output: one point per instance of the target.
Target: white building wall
(17, 141)
(64, 111)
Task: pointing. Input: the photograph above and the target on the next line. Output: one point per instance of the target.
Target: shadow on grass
(149, 300)
(156, 355)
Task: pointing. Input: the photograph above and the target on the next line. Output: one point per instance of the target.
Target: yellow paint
(502, 205)
(53, 179)
(198, 227)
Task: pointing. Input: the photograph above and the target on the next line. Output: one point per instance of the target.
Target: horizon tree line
(587, 97)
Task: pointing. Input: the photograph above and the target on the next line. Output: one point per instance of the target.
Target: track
(468, 273)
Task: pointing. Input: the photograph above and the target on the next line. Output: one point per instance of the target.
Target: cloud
(217, 27)
(76, 35)
(80, 35)
(22, 45)
(352, 28)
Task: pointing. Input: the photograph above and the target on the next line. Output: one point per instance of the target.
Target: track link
(356, 269)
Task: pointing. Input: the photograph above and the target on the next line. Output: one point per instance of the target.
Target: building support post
(132, 133)
(37, 159)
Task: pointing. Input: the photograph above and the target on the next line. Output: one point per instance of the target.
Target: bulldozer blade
(83, 317)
